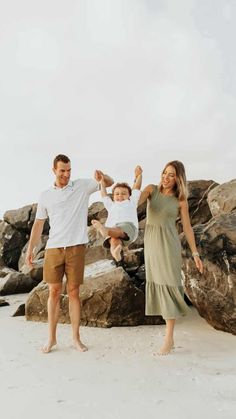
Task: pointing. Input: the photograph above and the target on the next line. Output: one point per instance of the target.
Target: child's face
(120, 194)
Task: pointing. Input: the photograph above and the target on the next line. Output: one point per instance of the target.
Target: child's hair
(122, 185)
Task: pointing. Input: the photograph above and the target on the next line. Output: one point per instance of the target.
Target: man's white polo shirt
(67, 210)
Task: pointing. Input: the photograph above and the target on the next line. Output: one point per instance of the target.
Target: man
(66, 206)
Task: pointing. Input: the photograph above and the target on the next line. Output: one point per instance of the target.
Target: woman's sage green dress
(164, 290)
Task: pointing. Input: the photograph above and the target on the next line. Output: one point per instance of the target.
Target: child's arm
(138, 178)
(103, 187)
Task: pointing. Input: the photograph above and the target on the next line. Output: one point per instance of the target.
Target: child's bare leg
(116, 247)
(100, 227)
(115, 232)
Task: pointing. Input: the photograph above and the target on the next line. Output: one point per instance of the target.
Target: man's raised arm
(108, 181)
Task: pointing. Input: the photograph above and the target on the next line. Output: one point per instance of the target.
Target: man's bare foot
(79, 345)
(48, 347)
(116, 252)
(167, 346)
(99, 227)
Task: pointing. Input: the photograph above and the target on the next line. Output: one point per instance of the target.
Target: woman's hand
(138, 171)
(198, 263)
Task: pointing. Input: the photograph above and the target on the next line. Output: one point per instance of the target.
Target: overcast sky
(112, 84)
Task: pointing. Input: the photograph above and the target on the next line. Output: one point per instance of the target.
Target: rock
(222, 199)
(96, 253)
(199, 210)
(141, 274)
(3, 303)
(142, 211)
(142, 224)
(197, 200)
(139, 280)
(13, 282)
(20, 311)
(23, 218)
(99, 267)
(107, 299)
(139, 242)
(214, 292)
(96, 211)
(111, 300)
(133, 259)
(95, 250)
(11, 243)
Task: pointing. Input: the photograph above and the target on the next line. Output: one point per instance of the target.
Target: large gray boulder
(197, 200)
(23, 218)
(132, 260)
(13, 282)
(199, 210)
(222, 199)
(96, 211)
(95, 250)
(12, 242)
(214, 292)
(107, 299)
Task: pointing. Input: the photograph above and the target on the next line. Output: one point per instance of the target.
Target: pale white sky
(112, 84)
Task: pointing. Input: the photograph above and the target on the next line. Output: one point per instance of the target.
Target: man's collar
(69, 184)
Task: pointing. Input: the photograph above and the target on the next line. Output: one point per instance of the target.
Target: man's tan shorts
(68, 261)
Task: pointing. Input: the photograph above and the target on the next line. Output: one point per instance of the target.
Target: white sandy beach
(118, 377)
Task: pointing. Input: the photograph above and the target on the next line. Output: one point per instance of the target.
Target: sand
(118, 377)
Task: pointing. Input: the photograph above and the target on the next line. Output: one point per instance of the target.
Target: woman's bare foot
(116, 252)
(167, 346)
(49, 346)
(99, 227)
(79, 345)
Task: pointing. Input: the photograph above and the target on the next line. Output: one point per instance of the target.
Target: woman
(164, 291)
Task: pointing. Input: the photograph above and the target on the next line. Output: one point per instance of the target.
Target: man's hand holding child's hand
(98, 175)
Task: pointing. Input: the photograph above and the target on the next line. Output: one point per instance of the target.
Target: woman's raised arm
(146, 193)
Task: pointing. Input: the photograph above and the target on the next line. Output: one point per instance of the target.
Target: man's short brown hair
(60, 157)
(122, 185)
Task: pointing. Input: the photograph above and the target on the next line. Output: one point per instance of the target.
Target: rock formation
(107, 299)
(114, 295)
(214, 292)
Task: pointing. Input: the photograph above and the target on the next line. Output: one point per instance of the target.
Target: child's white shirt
(122, 211)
